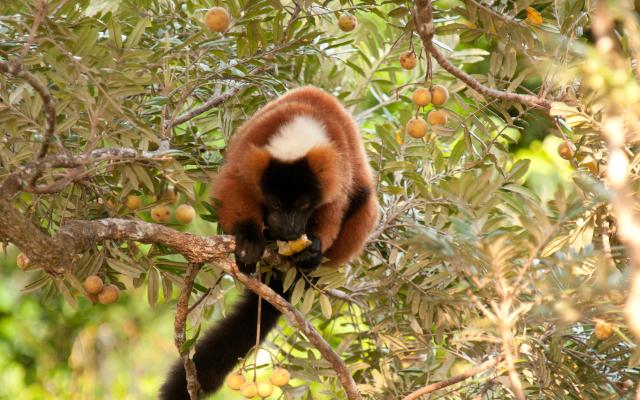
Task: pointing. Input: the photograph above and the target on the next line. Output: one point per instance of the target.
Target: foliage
(474, 253)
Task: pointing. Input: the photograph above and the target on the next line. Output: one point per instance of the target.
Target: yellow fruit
(416, 127)
(93, 284)
(533, 16)
(235, 381)
(133, 202)
(217, 19)
(280, 377)
(347, 23)
(249, 390)
(437, 117)
(265, 389)
(439, 95)
(293, 246)
(22, 261)
(185, 213)
(109, 294)
(565, 150)
(603, 330)
(590, 164)
(421, 97)
(459, 367)
(161, 213)
(408, 60)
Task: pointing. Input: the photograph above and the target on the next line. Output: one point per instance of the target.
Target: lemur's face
(291, 194)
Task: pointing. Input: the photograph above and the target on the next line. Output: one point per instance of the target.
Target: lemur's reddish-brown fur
(341, 168)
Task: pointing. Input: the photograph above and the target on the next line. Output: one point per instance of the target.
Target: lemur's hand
(250, 245)
(309, 258)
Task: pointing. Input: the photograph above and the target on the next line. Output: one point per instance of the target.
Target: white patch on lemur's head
(295, 139)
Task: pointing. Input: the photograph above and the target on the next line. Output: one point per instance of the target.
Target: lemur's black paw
(249, 246)
(309, 258)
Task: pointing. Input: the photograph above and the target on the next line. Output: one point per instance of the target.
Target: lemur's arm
(241, 215)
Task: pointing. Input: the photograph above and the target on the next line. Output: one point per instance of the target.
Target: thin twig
(423, 18)
(180, 335)
(37, 20)
(453, 380)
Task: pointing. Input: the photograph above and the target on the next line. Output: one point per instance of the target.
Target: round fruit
(421, 97)
(235, 381)
(417, 127)
(133, 202)
(347, 23)
(93, 284)
(217, 19)
(603, 330)
(161, 213)
(265, 389)
(185, 213)
(249, 390)
(439, 95)
(280, 377)
(590, 164)
(408, 60)
(22, 261)
(109, 294)
(437, 117)
(565, 150)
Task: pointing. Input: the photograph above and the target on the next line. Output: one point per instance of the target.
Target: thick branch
(182, 311)
(78, 236)
(451, 381)
(423, 18)
(49, 109)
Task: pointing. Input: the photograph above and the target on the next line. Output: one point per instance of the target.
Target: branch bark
(77, 236)
(423, 19)
(452, 381)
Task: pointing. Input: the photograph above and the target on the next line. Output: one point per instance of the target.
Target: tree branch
(182, 311)
(452, 381)
(78, 236)
(423, 19)
(49, 108)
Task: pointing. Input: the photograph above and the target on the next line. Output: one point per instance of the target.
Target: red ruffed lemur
(298, 166)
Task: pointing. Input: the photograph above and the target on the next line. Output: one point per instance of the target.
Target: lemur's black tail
(218, 351)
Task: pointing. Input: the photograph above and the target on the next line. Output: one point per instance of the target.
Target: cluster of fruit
(279, 377)
(437, 95)
(98, 292)
(162, 212)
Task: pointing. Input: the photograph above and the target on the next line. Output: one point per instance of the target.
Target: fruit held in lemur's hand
(421, 97)
(280, 377)
(347, 23)
(217, 19)
(93, 284)
(408, 60)
(22, 261)
(161, 213)
(294, 246)
(185, 213)
(265, 389)
(437, 117)
(109, 294)
(603, 330)
(235, 381)
(565, 150)
(439, 95)
(416, 127)
(133, 202)
(249, 390)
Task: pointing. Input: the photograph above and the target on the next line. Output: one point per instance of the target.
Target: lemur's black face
(291, 193)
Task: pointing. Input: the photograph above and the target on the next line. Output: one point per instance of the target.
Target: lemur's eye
(275, 206)
(304, 205)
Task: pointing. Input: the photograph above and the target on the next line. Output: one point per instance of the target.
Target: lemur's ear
(324, 161)
(256, 161)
